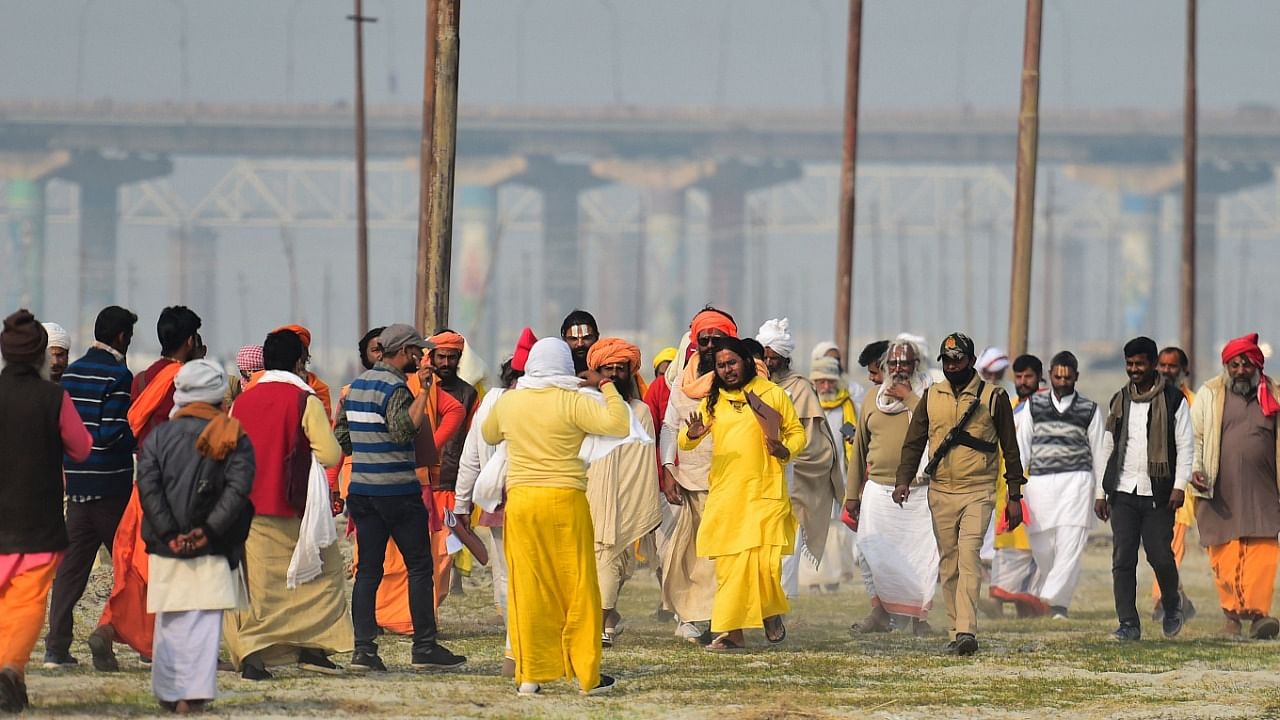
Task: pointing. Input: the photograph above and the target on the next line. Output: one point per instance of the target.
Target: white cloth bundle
(317, 531)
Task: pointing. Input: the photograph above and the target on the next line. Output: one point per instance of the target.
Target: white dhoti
(1013, 575)
(1060, 507)
(188, 597)
(899, 547)
(1058, 553)
(184, 663)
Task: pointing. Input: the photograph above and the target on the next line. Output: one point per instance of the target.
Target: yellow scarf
(850, 413)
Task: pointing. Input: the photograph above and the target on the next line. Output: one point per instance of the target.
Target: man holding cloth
(1234, 473)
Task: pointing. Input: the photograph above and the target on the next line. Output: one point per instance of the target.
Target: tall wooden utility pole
(848, 173)
(1024, 211)
(1187, 329)
(439, 135)
(362, 211)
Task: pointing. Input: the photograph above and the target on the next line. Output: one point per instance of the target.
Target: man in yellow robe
(748, 525)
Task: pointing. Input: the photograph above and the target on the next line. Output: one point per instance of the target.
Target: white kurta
(1060, 506)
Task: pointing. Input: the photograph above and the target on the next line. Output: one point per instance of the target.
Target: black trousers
(402, 518)
(1136, 519)
(89, 526)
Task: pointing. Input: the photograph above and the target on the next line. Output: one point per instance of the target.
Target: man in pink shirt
(38, 425)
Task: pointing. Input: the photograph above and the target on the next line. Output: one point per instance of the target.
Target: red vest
(271, 414)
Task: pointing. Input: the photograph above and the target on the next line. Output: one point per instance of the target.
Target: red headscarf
(523, 346)
(709, 320)
(1248, 347)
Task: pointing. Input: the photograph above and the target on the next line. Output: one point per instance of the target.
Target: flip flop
(722, 644)
(778, 624)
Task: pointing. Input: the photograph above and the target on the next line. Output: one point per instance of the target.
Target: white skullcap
(199, 381)
(776, 334)
(58, 337)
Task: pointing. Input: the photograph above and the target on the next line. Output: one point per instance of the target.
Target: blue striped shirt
(99, 387)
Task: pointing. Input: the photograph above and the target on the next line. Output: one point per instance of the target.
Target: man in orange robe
(125, 617)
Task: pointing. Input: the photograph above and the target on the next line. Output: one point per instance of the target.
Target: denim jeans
(402, 518)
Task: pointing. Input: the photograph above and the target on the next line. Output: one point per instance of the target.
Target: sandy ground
(1026, 669)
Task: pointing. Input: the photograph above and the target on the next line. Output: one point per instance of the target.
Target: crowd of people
(219, 496)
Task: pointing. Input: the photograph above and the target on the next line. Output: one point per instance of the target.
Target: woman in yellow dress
(748, 524)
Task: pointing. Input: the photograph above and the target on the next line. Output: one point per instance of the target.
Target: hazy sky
(917, 53)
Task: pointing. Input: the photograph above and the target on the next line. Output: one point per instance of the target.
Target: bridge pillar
(100, 178)
(23, 250)
(727, 247)
(1213, 182)
(663, 184)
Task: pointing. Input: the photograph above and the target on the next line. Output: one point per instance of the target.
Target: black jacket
(181, 490)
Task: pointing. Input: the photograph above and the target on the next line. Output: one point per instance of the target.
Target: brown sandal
(722, 643)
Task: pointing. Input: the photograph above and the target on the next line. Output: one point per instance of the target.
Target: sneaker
(104, 656)
(1173, 623)
(437, 658)
(607, 683)
(529, 689)
(366, 662)
(949, 648)
(966, 644)
(1127, 633)
(144, 661)
(1058, 612)
(316, 662)
(54, 660)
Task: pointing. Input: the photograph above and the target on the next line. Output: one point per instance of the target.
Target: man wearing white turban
(814, 478)
(59, 350)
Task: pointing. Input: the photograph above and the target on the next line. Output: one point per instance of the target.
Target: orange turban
(609, 350)
(712, 319)
(447, 340)
(298, 330)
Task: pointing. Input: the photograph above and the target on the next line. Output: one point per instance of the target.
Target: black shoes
(1172, 623)
(1131, 633)
(54, 660)
(965, 644)
(315, 661)
(366, 662)
(104, 656)
(607, 684)
(13, 693)
(254, 669)
(437, 658)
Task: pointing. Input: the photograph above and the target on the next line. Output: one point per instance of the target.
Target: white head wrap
(58, 337)
(776, 334)
(199, 381)
(550, 364)
(821, 349)
(993, 359)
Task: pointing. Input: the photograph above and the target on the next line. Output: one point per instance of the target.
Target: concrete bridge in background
(563, 152)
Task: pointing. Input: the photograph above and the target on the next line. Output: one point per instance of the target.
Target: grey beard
(827, 397)
(1243, 387)
(907, 378)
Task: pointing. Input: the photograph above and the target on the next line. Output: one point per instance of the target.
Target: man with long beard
(749, 525)
(1234, 473)
(445, 359)
(621, 487)
(897, 546)
(689, 581)
(813, 478)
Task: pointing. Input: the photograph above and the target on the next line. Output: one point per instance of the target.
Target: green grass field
(1025, 669)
